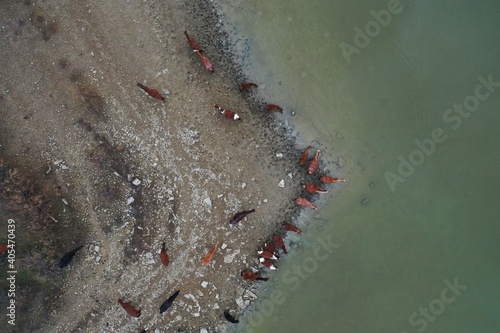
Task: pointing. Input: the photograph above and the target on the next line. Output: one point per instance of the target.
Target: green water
(423, 228)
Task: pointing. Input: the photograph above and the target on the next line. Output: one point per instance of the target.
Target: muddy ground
(76, 137)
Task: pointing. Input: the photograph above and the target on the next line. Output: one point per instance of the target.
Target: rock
(208, 202)
(341, 162)
(136, 182)
(203, 330)
(64, 201)
(204, 284)
(216, 306)
(223, 246)
(251, 294)
(279, 155)
(130, 200)
(240, 302)
(282, 183)
(91, 248)
(265, 200)
(290, 175)
(243, 185)
(228, 259)
(97, 248)
(98, 258)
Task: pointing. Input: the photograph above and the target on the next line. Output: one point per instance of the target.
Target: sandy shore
(77, 135)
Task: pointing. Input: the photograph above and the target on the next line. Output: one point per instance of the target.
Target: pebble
(290, 175)
(282, 183)
(130, 200)
(279, 155)
(265, 200)
(251, 294)
(216, 306)
(203, 330)
(208, 202)
(136, 182)
(228, 259)
(97, 248)
(341, 162)
(98, 258)
(240, 302)
(204, 284)
(223, 246)
(64, 201)
(243, 185)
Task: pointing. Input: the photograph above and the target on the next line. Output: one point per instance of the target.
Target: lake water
(408, 94)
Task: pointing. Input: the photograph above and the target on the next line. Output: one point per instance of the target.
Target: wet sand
(78, 135)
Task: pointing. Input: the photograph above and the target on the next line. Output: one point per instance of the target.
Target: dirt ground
(76, 137)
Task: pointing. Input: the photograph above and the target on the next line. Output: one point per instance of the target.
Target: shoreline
(196, 168)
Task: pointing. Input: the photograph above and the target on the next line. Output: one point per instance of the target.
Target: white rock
(130, 200)
(220, 196)
(228, 259)
(208, 202)
(243, 185)
(223, 246)
(204, 284)
(149, 255)
(57, 162)
(64, 167)
(251, 294)
(196, 314)
(290, 175)
(279, 155)
(265, 200)
(281, 183)
(97, 248)
(240, 302)
(64, 201)
(136, 182)
(203, 330)
(98, 258)
(216, 306)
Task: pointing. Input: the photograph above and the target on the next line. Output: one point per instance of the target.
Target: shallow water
(421, 253)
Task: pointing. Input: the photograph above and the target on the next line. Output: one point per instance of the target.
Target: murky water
(408, 93)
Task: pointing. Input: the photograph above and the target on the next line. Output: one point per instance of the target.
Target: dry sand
(76, 129)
